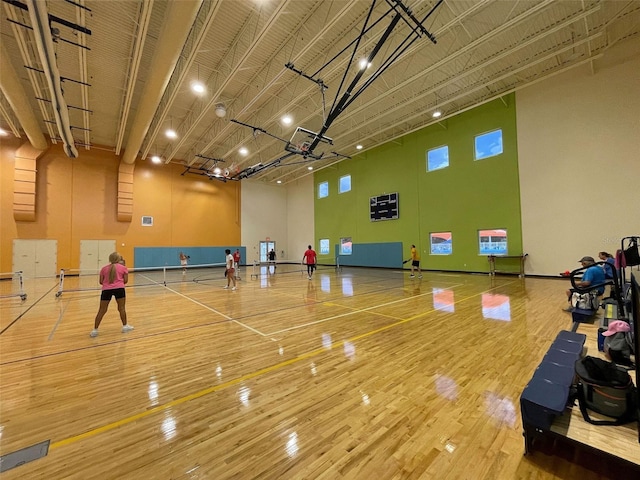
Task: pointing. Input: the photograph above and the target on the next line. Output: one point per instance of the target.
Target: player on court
(415, 262)
(272, 260)
(113, 278)
(231, 272)
(236, 262)
(309, 258)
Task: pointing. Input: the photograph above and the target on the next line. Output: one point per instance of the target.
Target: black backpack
(605, 388)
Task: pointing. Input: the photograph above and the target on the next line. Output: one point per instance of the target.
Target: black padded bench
(547, 393)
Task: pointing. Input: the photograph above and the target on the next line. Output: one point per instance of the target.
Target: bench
(546, 395)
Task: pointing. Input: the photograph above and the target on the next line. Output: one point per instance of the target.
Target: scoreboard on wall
(384, 207)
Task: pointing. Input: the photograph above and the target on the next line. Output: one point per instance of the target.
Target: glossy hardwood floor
(358, 374)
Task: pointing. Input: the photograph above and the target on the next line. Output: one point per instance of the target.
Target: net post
(164, 275)
(61, 284)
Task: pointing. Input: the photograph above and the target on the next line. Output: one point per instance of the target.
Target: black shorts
(311, 267)
(415, 263)
(116, 292)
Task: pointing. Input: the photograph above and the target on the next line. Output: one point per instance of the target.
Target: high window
(345, 184)
(323, 189)
(488, 145)
(437, 158)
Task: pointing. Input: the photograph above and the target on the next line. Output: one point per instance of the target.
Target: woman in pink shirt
(113, 278)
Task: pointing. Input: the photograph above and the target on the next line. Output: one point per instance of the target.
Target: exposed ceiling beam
(132, 77)
(19, 102)
(179, 18)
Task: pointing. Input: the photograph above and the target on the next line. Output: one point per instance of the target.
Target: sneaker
(411, 276)
(127, 328)
(225, 287)
(419, 276)
(309, 277)
(233, 288)
(94, 333)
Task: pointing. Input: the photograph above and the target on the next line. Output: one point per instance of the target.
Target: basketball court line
(356, 310)
(243, 378)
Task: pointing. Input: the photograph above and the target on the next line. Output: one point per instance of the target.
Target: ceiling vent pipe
(42, 32)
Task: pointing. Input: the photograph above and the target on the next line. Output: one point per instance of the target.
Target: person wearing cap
(617, 342)
(593, 275)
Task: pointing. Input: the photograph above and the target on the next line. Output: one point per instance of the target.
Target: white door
(35, 258)
(94, 254)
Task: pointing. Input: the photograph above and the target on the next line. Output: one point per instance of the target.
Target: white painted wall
(579, 161)
(264, 214)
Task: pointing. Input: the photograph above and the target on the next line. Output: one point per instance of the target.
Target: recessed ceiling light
(156, 159)
(364, 64)
(359, 147)
(279, 181)
(309, 167)
(197, 87)
(287, 120)
(171, 133)
(243, 151)
(217, 171)
(3, 132)
(436, 114)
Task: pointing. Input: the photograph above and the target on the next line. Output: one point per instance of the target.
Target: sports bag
(605, 388)
(632, 253)
(585, 301)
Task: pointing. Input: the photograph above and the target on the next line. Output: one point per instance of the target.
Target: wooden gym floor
(358, 374)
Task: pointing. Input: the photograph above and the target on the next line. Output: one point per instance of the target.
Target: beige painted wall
(579, 161)
(300, 209)
(264, 214)
(284, 213)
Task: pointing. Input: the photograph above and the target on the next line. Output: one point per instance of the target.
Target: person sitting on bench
(593, 275)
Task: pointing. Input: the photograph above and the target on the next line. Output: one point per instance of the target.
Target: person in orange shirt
(415, 262)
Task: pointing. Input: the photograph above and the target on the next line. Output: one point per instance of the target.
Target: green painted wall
(463, 198)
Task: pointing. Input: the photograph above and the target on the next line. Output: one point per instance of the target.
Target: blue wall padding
(387, 255)
(146, 257)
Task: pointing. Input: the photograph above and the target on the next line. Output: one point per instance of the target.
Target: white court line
(217, 312)
(354, 311)
(58, 322)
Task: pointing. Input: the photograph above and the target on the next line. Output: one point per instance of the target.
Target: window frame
(493, 252)
(433, 150)
(326, 183)
(340, 184)
(475, 145)
(431, 244)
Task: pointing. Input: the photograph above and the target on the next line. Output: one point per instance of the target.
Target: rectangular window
(437, 158)
(345, 184)
(488, 144)
(441, 243)
(493, 242)
(323, 189)
(345, 246)
(324, 246)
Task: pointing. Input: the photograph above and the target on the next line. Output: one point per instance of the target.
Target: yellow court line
(248, 376)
